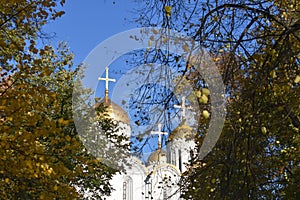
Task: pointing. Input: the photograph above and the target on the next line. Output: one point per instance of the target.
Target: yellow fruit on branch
(204, 99)
(205, 91)
(205, 114)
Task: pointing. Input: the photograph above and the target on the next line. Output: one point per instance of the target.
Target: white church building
(158, 177)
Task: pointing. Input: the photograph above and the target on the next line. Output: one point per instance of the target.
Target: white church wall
(164, 182)
(130, 184)
(179, 151)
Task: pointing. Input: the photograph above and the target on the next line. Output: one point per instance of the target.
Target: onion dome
(115, 111)
(182, 132)
(158, 155)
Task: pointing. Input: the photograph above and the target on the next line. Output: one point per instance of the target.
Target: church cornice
(154, 168)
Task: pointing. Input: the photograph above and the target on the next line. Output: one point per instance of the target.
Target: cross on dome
(106, 79)
(183, 107)
(159, 133)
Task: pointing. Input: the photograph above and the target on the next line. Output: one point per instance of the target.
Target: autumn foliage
(41, 155)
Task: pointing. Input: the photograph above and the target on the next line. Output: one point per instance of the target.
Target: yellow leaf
(55, 188)
(154, 31)
(264, 130)
(68, 138)
(30, 114)
(168, 9)
(185, 47)
(273, 74)
(297, 79)
(61, 120)
(280, 108)
(4, 137)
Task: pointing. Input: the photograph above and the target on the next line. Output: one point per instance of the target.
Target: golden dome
(181, 132)
(156, 155)
(115, 111)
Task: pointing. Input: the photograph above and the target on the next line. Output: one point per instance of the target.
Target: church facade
(158, 178)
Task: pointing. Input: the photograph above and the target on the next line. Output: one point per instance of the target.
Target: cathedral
(158, 177)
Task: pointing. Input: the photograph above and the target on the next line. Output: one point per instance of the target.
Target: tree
(256, 46)
(42, 156)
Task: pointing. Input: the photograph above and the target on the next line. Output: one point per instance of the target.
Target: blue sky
(87, 23)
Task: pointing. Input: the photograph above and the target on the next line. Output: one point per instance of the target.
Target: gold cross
(106, 79)
(159, 133)
(183, 107)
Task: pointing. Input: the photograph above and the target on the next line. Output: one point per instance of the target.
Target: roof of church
(181, 132)
(156, 155)
(115, 111)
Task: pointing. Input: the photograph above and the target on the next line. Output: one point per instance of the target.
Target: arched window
(165, 194)
(169, 153)
(173, 157)
(179, 160)
(127, 188)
